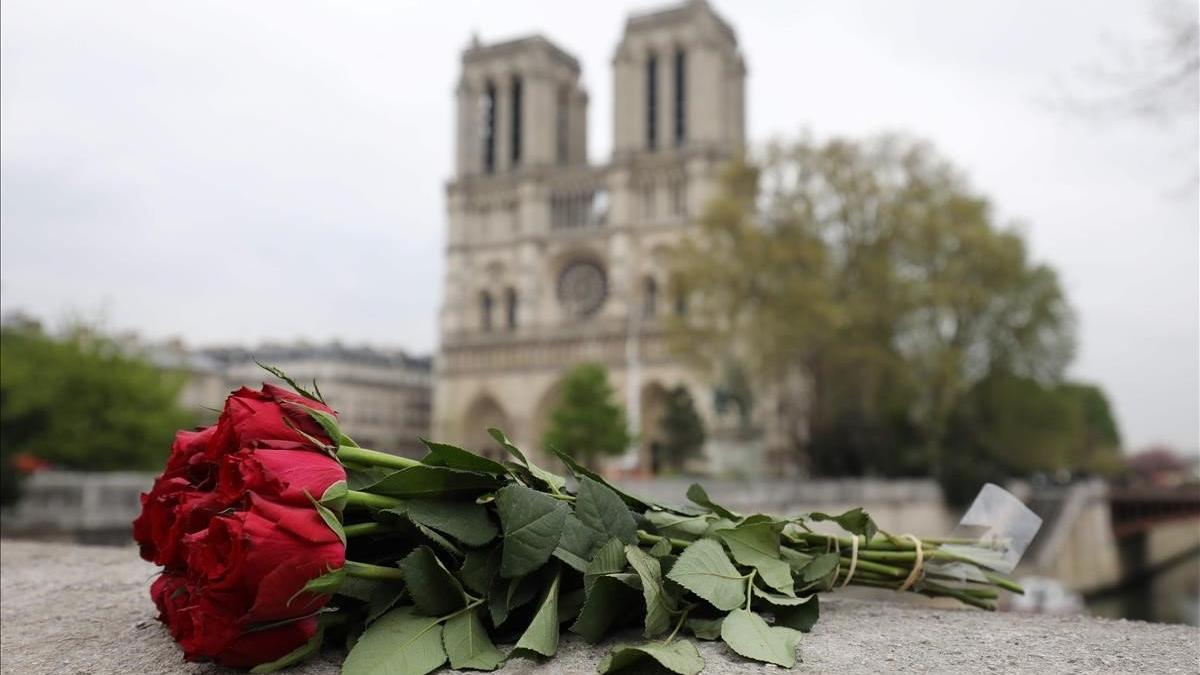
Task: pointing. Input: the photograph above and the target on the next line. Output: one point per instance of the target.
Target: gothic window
(680, 96)
(516, 120)
(652, 102)
(485, 311)
(649, 297)
(582, 288)
(561, 127)
(510, 308)
(489, 128)
(681, 302)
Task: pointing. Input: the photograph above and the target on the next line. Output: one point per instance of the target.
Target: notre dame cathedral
(552, 261)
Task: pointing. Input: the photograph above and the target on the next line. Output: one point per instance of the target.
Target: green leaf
(820, 567)
(402, 642)
(362, 477)
(533, 524)
(609, 559)
(436, 482)
(326, 584)
(542, 634)
(706, 629)
(467, 522)
(383, 599)
(550, 480)
(434, 590)
(676, 525)
(454, 457)
(801, 617)
(468, 645)
(854, 521)
(661, 548)
(658, 604)
(602, 511)
(509, 594)
(678, 657)
(569, 604)
(278, 372)
(608, 600)
(334, 497)
(747, 634)
(704, 569)
(580, 471)
(331, 519)
(698, 496)
(757, 546)
(780, 600)
(576, 544)
(479, 569)
(442, 542)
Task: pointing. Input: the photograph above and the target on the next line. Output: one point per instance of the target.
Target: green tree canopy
(81, 403)
(871, 289)
(588, 422)
(682, 430)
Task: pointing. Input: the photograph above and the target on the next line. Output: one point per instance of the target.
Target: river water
(1170, 596)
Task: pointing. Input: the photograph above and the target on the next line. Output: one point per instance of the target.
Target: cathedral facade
(552, 261)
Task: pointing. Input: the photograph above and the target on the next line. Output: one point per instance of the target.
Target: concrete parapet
(71, 609)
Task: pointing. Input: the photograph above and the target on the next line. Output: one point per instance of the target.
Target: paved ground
(70, 609)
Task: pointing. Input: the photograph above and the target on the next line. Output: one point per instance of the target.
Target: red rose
(262, 558)
(207, 629)
(189, 456)
(272, 414)
(173, 508)
(280, 471)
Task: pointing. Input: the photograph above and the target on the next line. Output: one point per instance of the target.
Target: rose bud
(262, 558)
(171, 510)
(189, 457)
(284, 472)
(206, 627)
(273, 414)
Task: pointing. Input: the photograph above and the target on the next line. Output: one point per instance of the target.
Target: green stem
(1006, 584)
(750, 588)
(367, 500)
(352, 455)
(363, 529)
(678, 624)
(647, 538)
(377, 572)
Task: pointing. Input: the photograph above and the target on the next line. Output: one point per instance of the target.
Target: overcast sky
(240, 171)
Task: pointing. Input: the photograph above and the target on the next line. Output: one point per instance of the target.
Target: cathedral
(552, 261)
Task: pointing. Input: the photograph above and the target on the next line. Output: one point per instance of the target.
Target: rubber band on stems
(918, 566)
(853, 560)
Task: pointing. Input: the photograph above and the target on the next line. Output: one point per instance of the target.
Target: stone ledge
(70, 609)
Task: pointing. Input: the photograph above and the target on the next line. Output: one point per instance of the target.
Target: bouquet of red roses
(276, 532)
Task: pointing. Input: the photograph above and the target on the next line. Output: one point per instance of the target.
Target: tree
(682, 430)
(588, 422)
(81, 403)
(869, 289)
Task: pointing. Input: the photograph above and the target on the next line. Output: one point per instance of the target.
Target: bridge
(1096, 537)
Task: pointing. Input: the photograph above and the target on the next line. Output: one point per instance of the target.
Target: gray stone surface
(70, 609)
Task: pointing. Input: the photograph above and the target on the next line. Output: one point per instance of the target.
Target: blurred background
(820, 256)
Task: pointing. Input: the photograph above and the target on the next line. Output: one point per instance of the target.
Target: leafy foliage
(682, 431)
(869, 286)
(82, 403)
(588, 422)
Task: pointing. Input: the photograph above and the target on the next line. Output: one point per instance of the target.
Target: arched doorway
(650, 435)
(482, 415)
